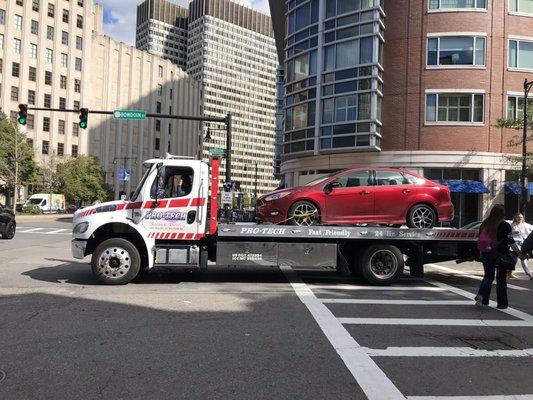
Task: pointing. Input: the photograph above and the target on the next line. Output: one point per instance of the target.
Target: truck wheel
(421, 216)
(381, 264)
(304, 213)
(116, 262)
(9, 231)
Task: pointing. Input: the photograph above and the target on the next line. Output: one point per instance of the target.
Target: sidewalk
(43, 217)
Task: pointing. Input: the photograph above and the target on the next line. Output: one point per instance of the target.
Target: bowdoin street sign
(130, 114)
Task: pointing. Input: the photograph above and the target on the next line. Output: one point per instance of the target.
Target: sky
(120, 16)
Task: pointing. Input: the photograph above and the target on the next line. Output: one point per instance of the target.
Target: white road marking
(372, 380)
(435, 322)
(383, 288)
(399, 302)
(30, 230)
(57, 231)
(445, 352)
(497, 397)
(476, 277)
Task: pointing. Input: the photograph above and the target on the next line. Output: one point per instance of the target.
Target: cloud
(120, 16)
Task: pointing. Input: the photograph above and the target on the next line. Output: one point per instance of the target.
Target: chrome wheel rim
(423, 217)
(383, 264)
(305, 214)
(114, 262)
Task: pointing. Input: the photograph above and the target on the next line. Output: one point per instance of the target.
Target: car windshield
(35, 201)
(141, 183)
(319, 180)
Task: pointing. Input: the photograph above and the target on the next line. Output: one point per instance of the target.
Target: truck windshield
(141, 183)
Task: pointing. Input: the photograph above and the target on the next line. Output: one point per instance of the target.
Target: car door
(393, 193)
(351, 199)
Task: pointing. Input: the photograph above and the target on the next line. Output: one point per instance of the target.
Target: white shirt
(521, 231)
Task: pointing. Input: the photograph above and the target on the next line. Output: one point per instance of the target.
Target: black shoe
(501, 307)
(479, 301)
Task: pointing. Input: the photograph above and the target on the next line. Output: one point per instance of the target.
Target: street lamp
(523, 202)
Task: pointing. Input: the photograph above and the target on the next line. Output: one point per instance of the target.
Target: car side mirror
(328, 188)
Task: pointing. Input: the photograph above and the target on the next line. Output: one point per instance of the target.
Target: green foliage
(32, 209)
(81, 180)
(512, 123)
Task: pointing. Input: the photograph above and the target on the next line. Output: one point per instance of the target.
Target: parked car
(47, 202)
(8, 226)
(361, 195)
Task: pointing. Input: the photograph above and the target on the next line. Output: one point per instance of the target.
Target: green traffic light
(83, 124)
(22, 121)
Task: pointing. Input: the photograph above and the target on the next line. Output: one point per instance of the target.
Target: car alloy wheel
(304, 213)
(422, 217)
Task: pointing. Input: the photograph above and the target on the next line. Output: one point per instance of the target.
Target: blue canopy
(513, 188)
(465, 186)
(530, 187)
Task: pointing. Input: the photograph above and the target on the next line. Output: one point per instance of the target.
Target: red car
(361, 195)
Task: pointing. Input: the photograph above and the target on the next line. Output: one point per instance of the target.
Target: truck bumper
(77, 248)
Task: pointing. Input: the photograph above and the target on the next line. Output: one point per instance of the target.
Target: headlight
(277, 196)
(81, 227)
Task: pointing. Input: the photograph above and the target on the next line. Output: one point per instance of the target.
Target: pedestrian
(495, 237)
(521, 230)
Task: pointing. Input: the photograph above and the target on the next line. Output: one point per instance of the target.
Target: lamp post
(523, 202)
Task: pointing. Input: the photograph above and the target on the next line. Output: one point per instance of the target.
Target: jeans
(523, 262)
(488, 260)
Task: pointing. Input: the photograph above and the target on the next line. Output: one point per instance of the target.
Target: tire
(304, 213)
(421, 216)
(9, 231)
(381, 264)
(116, 262)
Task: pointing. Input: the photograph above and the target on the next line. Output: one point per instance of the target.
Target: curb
(41, 218)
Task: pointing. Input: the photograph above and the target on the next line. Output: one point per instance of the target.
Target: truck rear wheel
(116, 262)
(381, 264)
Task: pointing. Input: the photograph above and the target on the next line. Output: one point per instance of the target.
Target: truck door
(176, 206)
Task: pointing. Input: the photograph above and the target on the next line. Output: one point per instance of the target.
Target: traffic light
(23, 114)
(84, 115)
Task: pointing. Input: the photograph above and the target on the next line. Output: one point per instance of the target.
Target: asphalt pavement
(239, 333)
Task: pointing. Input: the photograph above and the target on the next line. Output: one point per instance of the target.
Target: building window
(454, 108)
(515, 108)
(62, 103)
(456, 50)
(61, 127)
(158, 107)
(159, 90)
(46, 143)
(35, 5)
(64, 60)
(340, 109)
(456, 4)
(79, 21)
(46, 124)
(1, 42)
(29, 141)
(80, 3)
(75, 129)
(64, 37)
(77, 85)
(47, 101)
(34, 27)
(2, 17)
(300, 116)
(47, 78)
(16, 46)
(49, 55)
(74, 150)
(18, 22)
(77, 64)
(158, 125)
(32, 74)
(79, 43)
(76, 105)
(33, 50)
(170, 93)
(51, 10)
(160, 71)
(30, 122)
(14, 93)
(348, 54)
(13, 115)
(521, 6)
(50, 32)
(521, 54)
(60, 149)
(302, 66)
(65, 16)
(63, 82)
(19, 2)
(157, 143)
(15, 69)
(31, 97)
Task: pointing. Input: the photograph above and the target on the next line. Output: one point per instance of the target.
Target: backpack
(484, 242)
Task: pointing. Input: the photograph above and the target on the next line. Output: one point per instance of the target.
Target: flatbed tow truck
(158, 228)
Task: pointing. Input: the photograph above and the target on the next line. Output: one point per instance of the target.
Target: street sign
(130, 114)
(217, 151)
(226, 198)
(124, 175)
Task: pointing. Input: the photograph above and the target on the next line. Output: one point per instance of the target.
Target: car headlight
(277, 196)
(81, 227)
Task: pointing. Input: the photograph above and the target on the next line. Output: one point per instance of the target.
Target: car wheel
(116, 262)
(381, 264)
(9, 231)
(421, 216)
(304, 213)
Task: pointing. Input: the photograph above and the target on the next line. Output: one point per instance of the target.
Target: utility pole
(523, 173)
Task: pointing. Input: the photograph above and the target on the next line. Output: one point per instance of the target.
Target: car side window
(390, 178)
(177, 182)
(355, 179)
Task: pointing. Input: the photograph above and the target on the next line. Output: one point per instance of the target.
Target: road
(251, 334)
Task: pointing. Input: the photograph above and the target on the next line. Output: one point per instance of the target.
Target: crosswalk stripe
(400, 302)
(435, 322)
(56, 231)
(497, 397)
(384, 288)
(445, 352)
(30, 230)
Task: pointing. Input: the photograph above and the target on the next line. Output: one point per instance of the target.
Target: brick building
(425, 89)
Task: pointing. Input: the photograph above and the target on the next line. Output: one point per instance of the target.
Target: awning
(513, 188)
(465, 186)
(530, 187)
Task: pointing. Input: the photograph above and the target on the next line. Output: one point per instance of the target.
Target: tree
(81, 180)
(17, 163)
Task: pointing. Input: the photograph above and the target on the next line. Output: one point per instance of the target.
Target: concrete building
(162, 30)
(409, 84)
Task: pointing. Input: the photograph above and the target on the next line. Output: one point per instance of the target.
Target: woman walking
(521, 231)
(495, 237)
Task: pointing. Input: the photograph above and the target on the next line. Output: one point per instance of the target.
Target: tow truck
(160, 226)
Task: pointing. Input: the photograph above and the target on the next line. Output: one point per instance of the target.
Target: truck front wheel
(116, 262)
(381, 264)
